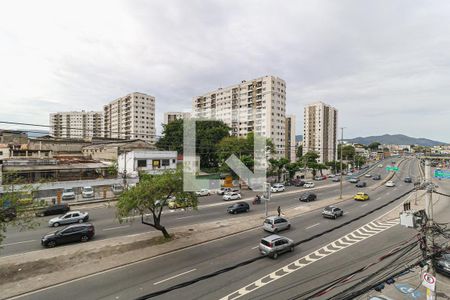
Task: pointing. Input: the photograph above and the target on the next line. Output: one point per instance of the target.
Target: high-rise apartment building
(76, 124)
(320, 124)
(257, 105)
(172, 116)
(291, 145)
(131, 117)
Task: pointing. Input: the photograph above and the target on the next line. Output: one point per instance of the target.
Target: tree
(151, 195)
(299, 152)
(112, 170)
(360, 160)
(292, 168)
(321, 167)
(278, 166)
(335, 166)
(208, 134)
(348, 152)
(374, 146)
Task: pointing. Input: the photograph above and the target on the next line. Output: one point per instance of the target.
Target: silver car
(88, 192)
(68, 194)
(69, 218)
(273, 245)
(275, 224)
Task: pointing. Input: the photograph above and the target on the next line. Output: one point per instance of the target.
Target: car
(238, 208)
(174, 203)
(56, 209)
(278, 187)
(225, 190)
(353, 180)
(380, 165)
(319, 178)
(69, 218)
(336, 179)
(361, 184)
(275, 224)
(7, 214)
(376, 177)
(442, 264)
(332, 212)
(273, 245)
(368, 175)
(408, 180)
(361, 196)
(203, 192)
(87, 192)
(309, 184)
(349, 174)
(331, 175)
(117, 189)
(307, 197)
(231, 196)
(72, 233)
(390, 183)
(68, 194)
(298, 182)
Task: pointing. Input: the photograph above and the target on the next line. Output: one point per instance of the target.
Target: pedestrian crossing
(364, 232)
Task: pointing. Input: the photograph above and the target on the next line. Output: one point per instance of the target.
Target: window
(141, 163)
(165, 162)
(156, 164)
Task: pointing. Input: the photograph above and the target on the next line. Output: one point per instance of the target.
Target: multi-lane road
(164, 271)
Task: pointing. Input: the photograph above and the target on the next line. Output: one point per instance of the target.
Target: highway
(166, 270)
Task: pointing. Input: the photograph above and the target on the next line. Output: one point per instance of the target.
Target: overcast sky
(383, 64)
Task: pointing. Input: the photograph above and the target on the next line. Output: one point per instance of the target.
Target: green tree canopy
(299, 152)
(374, 146)
(348, 152)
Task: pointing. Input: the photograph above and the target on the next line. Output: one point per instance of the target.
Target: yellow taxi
(361, 196)
(182, 203)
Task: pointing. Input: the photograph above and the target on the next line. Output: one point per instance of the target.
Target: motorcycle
(257, 200)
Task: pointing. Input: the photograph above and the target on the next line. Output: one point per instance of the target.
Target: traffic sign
(392, 168)
(429, 281)
(442, 174)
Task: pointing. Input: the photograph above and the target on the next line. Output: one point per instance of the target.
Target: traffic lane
(137, 280)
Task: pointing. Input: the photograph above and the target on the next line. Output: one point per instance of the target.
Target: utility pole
(124, 175)
(431, 295)
(342, 143)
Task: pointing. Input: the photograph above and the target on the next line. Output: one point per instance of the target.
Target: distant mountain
(298, 138)
(395, 139)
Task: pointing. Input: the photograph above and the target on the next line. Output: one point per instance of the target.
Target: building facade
(320, 129)
(291, 145)
(257, 105)
(131, 117)
(172, 116)
(147, 161)
(76, 124)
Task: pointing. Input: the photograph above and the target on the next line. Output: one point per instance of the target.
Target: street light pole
(431, 295)
(342, 143)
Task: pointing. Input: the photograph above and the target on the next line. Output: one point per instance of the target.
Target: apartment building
(131, 117)
(76, 124)
(291, 145)
(257, 105)
(172, 116)
(320, 125)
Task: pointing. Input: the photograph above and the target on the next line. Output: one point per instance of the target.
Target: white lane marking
(364, 205)
(345, 213)
(186, 217)
(378, 198)
(17, 243)
(114, 228)
(308, 258)
(254, 247)
(175, 276)
(314, 225)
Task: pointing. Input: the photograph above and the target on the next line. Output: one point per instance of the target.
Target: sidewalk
(30, 271)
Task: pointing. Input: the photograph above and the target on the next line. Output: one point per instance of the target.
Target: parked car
(275, 224)
(307, 197)
(332, 212)
(361, 196)
(368, 175)
(88, 192)
(298, 182)
(203, 192)
(117, 189)
(380, 165)
(376, 177)
(72, 233)
(69, 218)
(309, 184)
(353, 180)
(408, 180)
(331, 175)
(390, 183)
(238, 208)
(273, 245)
(231, 196)
(53, 210)
(361, 184)
(442, 264)
(278, 187)
(68, 194)
(336, 179)
(225, 190)
(319, 178)
(7, 214)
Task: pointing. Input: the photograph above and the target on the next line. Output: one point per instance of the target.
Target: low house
(110, 150)
(147, 161)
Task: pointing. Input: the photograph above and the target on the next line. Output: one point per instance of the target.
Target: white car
(309, 184)
(203, 192)
(88, 192)
(68, 194)
(331, 175)
(68, 218)
(368, 175)
(231, 196)
(390, 183)
(277, 188)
